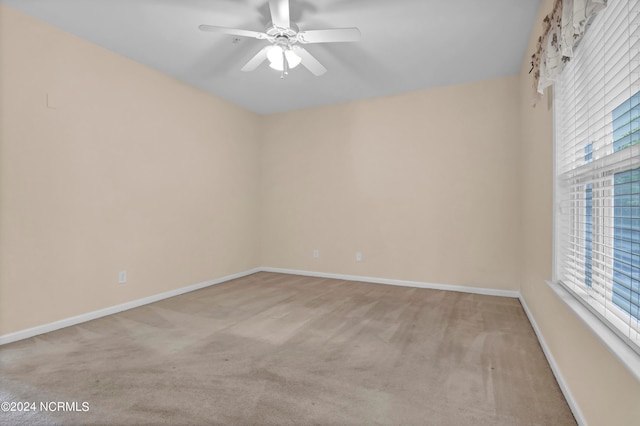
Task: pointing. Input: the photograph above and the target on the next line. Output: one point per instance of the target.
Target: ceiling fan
(284, 51)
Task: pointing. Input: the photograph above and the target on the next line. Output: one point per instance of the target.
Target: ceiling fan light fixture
(292, 58)
(274, 55)
(277, 55)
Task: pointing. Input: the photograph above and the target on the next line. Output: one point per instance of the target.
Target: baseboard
(46, 328)
(402, 283)
(577, 413)
(67, 322)
(575, 409)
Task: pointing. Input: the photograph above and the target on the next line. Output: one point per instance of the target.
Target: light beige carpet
(290, 350)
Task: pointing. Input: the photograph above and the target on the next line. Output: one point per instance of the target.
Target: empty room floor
(285, 349)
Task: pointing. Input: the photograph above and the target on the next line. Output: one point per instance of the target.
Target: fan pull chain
(285, 65)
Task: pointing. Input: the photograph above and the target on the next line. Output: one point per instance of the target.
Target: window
(597, 155)
(626, 242)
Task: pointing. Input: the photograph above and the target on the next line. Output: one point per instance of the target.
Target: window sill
(625, 354)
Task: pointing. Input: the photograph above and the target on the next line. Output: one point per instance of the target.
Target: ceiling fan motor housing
(286, 36)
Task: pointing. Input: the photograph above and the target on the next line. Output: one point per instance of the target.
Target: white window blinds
(597, 154)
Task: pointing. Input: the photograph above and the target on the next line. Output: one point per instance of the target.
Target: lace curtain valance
(562, 30)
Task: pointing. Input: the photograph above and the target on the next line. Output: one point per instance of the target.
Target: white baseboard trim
(67, 322)
(575, 409)
(56, 325)
(402, 283)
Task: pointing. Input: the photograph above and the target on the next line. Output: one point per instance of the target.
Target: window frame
(596, 80)
(612, 338)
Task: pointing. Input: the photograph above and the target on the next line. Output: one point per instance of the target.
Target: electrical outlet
(316, 254)
(358, 256)
(122, 277)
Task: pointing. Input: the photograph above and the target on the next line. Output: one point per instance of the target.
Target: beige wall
(127, 169)
(424, 184)
(603, 389)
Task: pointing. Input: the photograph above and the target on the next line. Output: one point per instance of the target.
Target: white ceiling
(406, 44)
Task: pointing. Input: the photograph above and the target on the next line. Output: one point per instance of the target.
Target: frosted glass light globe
(275, 57)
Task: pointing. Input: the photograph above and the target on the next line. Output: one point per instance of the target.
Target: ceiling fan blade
(309, 61)
(233, 31)
(279, 13)
(329, 36)
(256, 60)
